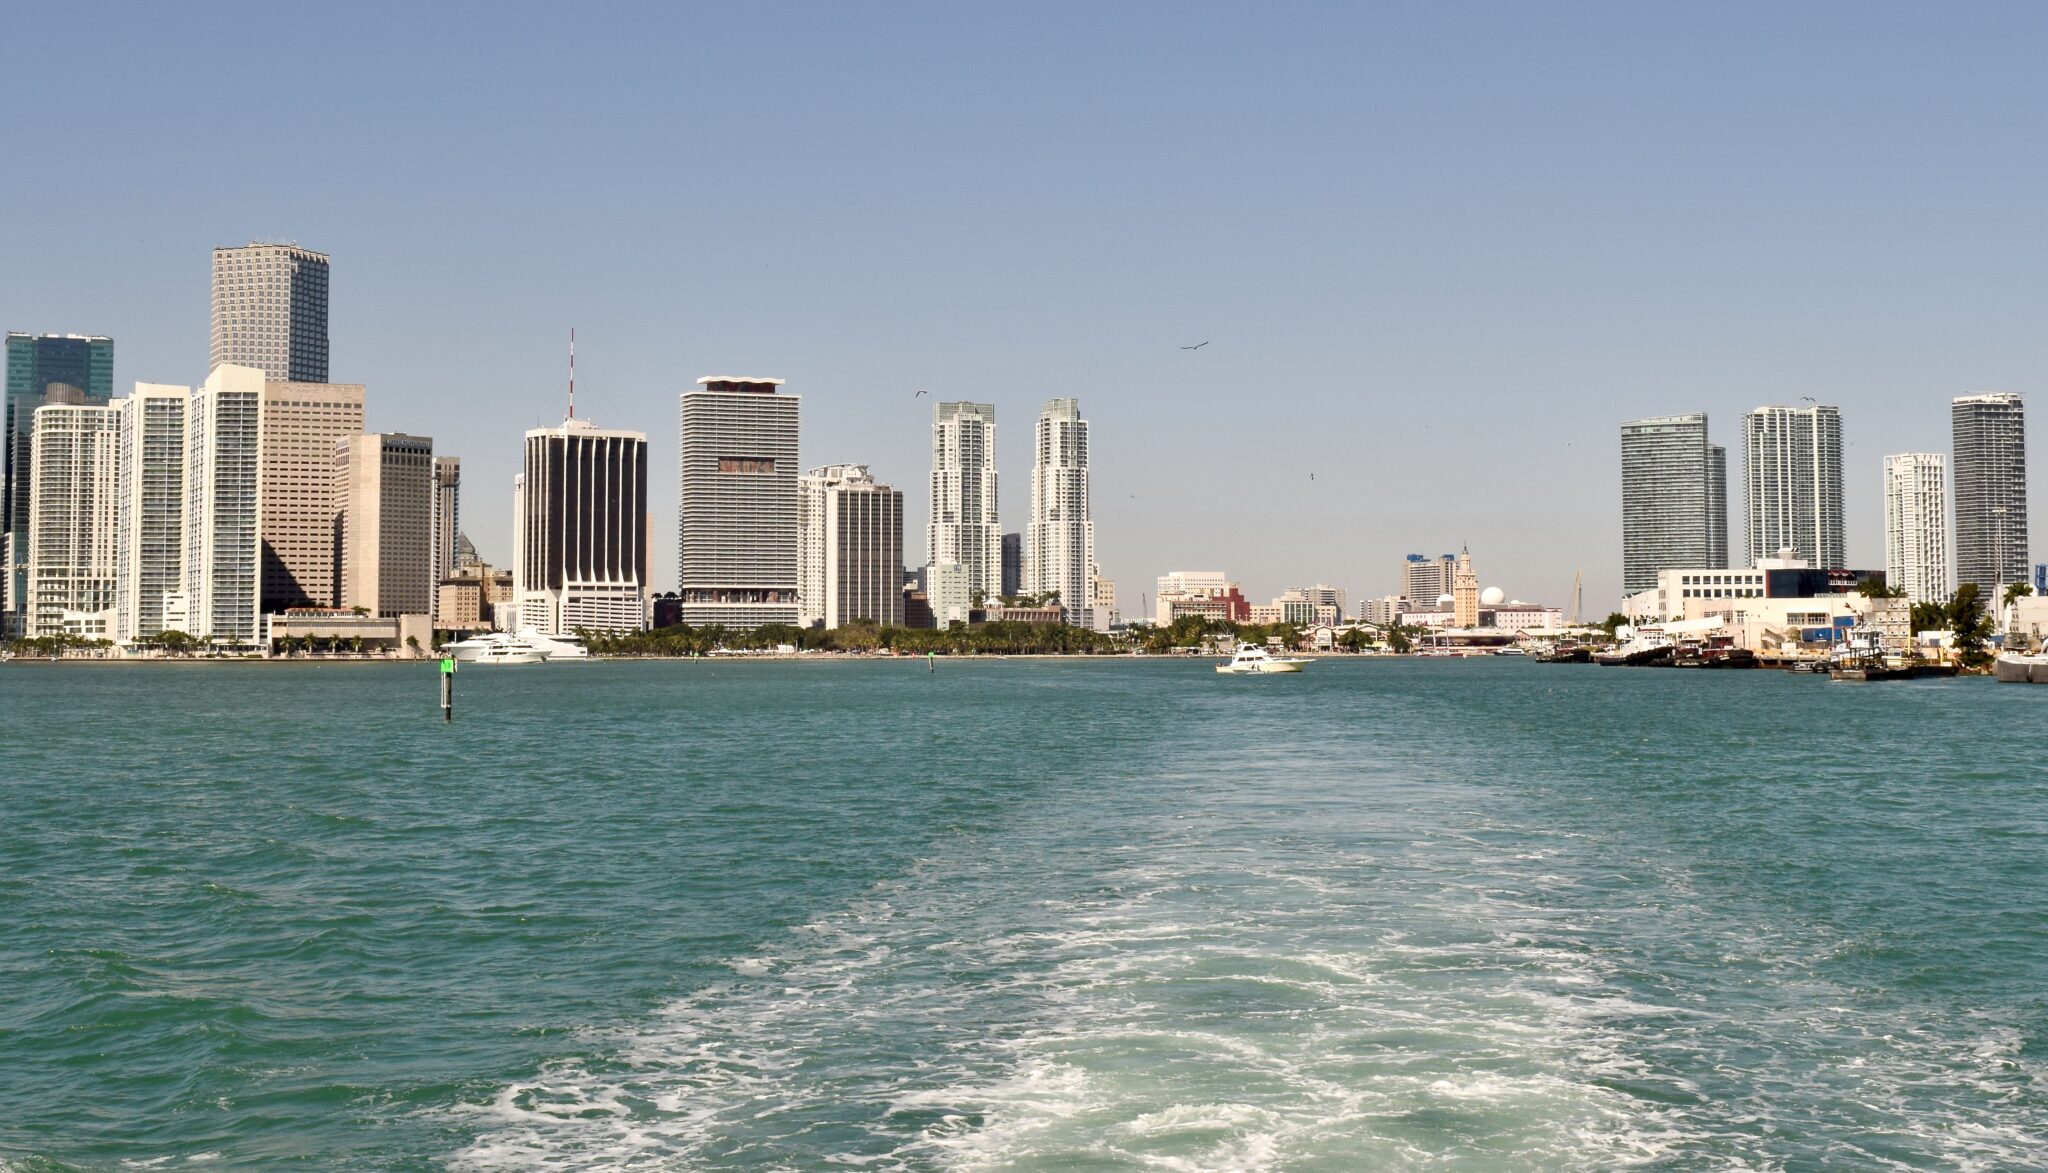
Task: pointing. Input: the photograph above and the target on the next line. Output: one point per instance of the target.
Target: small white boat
(1255, 660)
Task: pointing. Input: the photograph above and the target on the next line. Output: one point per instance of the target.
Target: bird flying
(1196, 346)
(919, 393)
(1808, 399)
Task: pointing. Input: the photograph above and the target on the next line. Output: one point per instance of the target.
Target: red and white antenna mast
(572, 372)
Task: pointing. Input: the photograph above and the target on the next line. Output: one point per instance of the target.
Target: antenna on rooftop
(572, 372)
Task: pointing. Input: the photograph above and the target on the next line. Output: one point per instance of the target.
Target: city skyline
(1540, 257)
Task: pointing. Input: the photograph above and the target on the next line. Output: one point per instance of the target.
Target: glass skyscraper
(42, 369)
(1990, 433)
(1674, 499)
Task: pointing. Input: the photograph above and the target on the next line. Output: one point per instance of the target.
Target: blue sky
(1439, 251)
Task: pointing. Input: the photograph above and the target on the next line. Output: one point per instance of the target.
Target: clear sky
(1439, 251)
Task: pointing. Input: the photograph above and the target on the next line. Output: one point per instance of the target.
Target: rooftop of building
(754, 383)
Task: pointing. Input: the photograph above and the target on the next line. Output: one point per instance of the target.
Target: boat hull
(1270, 668)
(2021, 669)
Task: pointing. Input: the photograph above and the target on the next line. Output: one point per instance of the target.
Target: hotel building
(384, 489)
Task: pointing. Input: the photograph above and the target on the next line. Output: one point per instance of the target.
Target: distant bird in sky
(1808, 399)
(915, 396)
(1196, 346)
(1311, 476)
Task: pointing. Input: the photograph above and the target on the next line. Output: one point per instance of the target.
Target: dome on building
(1444, 600)
(1492, 596)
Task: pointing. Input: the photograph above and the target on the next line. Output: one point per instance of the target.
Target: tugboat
(1862, 658)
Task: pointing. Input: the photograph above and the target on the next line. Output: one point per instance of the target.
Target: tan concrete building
(302, 422)
(476, 597)
(384, 484)
(447, 515)
(1465, 592)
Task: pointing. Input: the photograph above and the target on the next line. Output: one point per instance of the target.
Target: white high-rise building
(736, 516)
(151, 548)
(384, 488)
(579, 522)
(1990, 435)
(964, 530)
(1059, 543)
(1792, 484)
(850, 548)
(1674, 498)
(222, 544)
(74, 504)
(270, 311)
(1916, 525)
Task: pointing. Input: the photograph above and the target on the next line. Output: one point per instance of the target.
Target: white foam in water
(1180, 1014)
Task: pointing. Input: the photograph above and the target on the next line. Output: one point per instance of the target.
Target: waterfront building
(270, 311)
(736, 525)
(1227, 606)
(1013, 565)
(1674, 497)
(74, 505)
(302, 423)
(1425, 579)
(1792, 483)
(1103, 591)
(475, 597)
(75, 369)
(1059, 545)
(150, 547)
(222, 502)
(1990, 435)
(964, 531)
(448, 539)
(384, 489)
(1689, 592)
(948, 593)
(580, 530)
(850, 552)
(1465, 591)
(1916, 525)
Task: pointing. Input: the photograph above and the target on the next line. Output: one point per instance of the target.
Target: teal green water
(1019, 915)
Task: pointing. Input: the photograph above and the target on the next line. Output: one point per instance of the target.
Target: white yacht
(493, 647)
(554, 647)
(1255, 660)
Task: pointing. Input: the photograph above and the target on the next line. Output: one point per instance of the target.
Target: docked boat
(2021, 669)
(554, 647)
(493, 647)
(1255, 660)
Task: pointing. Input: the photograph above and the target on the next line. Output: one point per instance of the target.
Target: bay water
(1020, 915)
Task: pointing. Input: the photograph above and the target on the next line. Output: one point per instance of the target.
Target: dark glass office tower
(41, 369)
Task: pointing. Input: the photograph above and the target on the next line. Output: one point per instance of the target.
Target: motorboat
(1255, 660)
(554, 647)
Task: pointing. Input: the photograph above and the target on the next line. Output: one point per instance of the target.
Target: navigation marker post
(447, 688)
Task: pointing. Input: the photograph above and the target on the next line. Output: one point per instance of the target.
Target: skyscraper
(270, 311)
(1674, 498)
(1916, 525)
(1424, 580)
(41, 368)
(963, 529)
(302, 422)
(850, 548)
(1991, 490)
(1059, 550)
(74, 497)
(1792, 484)
(1013, 564)
(151, 548)
(580, 530)
(384, 491)
(736, 523)
(447, 517)
(222, 545)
